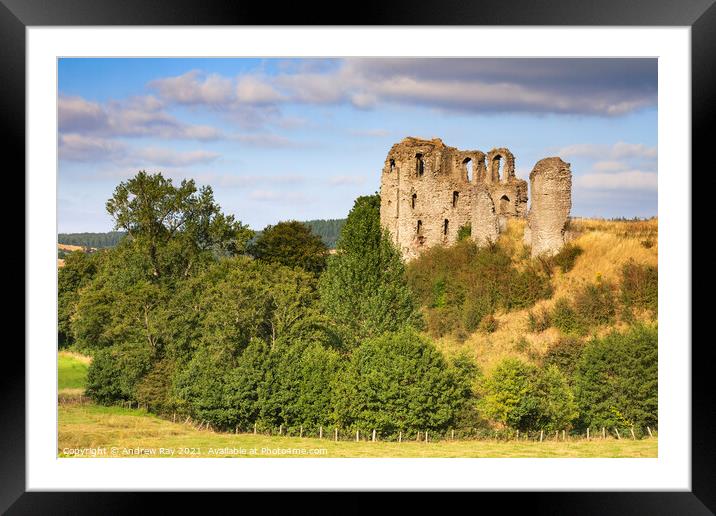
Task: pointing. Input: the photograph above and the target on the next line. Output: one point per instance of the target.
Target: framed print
(424, 256)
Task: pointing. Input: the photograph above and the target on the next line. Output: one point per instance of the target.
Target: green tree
(556, 406)
(510, 397)
(364, 288)
(401, 382)
(617, 379)
(291, 244)
(174, 226)
(79, 269)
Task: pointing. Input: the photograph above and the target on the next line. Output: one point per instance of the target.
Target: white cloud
(78, 147)
(169, 157)
(253, 90)
(372, 133)
(619, 150)
(275, 196)
(193, 88)
(630, 180)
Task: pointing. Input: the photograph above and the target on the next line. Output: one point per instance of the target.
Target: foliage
(557, 408)
(488, 324)
(539, 321)
(617, 379)
(78, 271)
(566, 257)
(291, 244)
(400, 382)
(329, 230)
(640, 286)
(92, 240)
(595, 304)
(174, 225)
(364, 288)
(115, 372)
(459, 285)
(464, 232)
(564, 354)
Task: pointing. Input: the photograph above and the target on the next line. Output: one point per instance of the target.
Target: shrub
(557, 408)
(616, 381)
(566, 257)
(565, 318)
(564, 354)
(509, 396)
(488, 324)
(115, 372)
(464, 232)
(595, 304)
(539, 321)
(640, 286)
(466, 283)
(401, 382)
(291, 244)
(154, 390)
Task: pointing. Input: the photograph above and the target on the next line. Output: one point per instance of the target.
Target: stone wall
(551, 189)
(428, 192)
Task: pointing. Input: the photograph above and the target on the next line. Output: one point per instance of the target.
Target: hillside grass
(84, 426)
(606, 244)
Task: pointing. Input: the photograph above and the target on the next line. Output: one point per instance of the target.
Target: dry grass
(606, 245)
(130, 430)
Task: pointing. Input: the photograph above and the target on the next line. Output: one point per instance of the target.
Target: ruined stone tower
(429, 190)
(551, 189)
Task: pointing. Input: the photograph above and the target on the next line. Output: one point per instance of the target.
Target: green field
(86, 426)
(71, 371)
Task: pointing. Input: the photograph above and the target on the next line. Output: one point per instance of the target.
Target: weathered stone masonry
(429, 190)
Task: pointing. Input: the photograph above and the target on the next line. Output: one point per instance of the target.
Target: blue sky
(282, 139)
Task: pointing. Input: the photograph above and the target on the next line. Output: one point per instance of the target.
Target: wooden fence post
(400, 436)
(604, 433)
(541, 435)
(417, 437)
(564, 435)
(280, 429)
(301, 434)
(426, 436)
(518, 435)
(617, 431)
(320, 432)
(357, 435)
(174, 417)
(452, 435)
(649, 430)
(336, 434)
(587, 433)
(632, 433)
(374, 435)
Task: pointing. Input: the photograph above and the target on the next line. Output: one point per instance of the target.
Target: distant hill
(328, 230)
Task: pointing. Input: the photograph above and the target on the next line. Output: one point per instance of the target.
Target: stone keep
(429, 190)
(551, 189)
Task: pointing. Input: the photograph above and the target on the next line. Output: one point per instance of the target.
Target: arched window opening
(413, 200)
(392, 166)
(504, 204)
(467, 162)
(455, 197)
(419, 164)
(445, 227)
(497, 168)
(419, 228)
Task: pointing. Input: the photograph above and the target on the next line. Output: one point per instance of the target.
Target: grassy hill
(606, 246)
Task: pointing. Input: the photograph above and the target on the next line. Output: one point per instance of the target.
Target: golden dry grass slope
(606, 244)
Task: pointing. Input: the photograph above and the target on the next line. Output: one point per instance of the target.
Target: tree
(174, 226)
(617, 379)
(79, 269)
(291, 244)
(401, 382)
(557, 408)
(364, 287)
(509, 396)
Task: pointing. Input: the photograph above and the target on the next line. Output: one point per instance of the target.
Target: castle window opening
(497, 168)
(468, 169)
(419, 164)
(419, 228)
(504, 204)
(414, 200)
(445, 227)
(392, 165)
(455, 197)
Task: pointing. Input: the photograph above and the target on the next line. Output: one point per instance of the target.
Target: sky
(283, 139)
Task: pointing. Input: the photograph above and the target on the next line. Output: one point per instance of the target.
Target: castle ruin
(429, 191)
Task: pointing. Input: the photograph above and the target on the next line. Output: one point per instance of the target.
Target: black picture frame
(700, 15)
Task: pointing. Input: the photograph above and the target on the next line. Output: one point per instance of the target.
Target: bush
(556, 406)
(464, 283)
(464, 232)
(291, 244)
(539, 321)
(154, 390)
(566, 257)
(564, 354)
(488, 324)
(509, 398)
(115, 372)
(616, 380)
(640, 286)
(565, 318)
(401, 382)
(595, 304)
